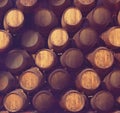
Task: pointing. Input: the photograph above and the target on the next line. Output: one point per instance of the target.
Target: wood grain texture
(14, 18)
(111, 37)
(58, 39)
(57, 77)
(31, 79)
(73, 101)
(71, 19)
(101, 58)
(5, 40)
(45, 59)
(15, 100)
(88, 79)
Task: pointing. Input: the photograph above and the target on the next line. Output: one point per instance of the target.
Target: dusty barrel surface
(43, 101)
(32, 40)
(7, 81)
(99, 18)
(59, 79)
(102, 101)
(15, 100)
(45, 20)
(101, 58)
(113, 5)
(73, 101)
(86, 38)
(13, 20)
(31, 79)
(17, 60)
(88, 80)
(72, 58)
(112, 81)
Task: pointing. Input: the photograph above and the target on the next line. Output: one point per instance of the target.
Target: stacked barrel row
(59, 56)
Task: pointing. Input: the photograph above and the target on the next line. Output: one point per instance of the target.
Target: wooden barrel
(58, 6)
(5, 40)
(118, 111)
(4, 6)
(91, 112)
(85, 6)
(58, 39)
(86, 38)
(31, 79)
(7, 81)
(29, 112)
(17, 60)
(1, 100)
(73, 101)
(72, 58)
(101, 58)
(118, 18)
(113, 5)
(111, 37)
(45, 20)
(99, 18)
(71, 19)
(45, 59)
(88, 80)
(4, 112)
(102, 101)
(26, 6)
(13, 24)
(43, 101)
(118, 100)
(32, 41)
(15, 101)
(112, 81)
(59, 79)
